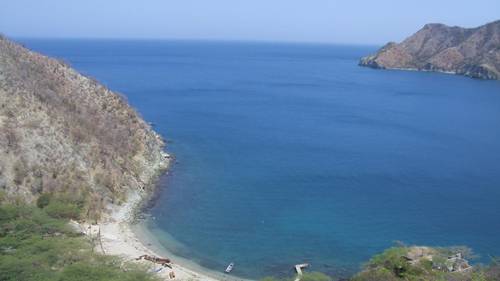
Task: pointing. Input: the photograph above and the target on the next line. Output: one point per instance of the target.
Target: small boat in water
(229, 268)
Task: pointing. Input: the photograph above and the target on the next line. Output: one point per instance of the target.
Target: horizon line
(228, 40)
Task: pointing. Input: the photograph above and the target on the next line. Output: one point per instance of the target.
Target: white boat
(229, 268)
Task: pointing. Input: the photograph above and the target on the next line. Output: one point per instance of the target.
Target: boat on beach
(229, 268)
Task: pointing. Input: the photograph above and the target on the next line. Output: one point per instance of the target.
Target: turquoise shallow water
(290, 153)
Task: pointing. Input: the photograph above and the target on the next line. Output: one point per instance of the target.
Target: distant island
(473, 52)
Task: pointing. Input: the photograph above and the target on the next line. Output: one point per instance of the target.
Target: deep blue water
(289, 153)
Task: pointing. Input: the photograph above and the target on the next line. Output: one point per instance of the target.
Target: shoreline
(122, 234)
(147, 236)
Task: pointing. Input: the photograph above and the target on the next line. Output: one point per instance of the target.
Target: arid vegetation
(66, 135)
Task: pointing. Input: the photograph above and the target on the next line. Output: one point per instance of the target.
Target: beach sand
(117, 238)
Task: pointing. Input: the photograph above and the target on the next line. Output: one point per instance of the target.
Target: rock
(416, 254)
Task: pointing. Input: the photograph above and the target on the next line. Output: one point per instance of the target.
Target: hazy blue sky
(375, 21)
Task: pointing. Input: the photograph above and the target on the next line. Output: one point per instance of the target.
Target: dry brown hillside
(65, 134)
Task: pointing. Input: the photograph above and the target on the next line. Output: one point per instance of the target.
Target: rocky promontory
(473, 52)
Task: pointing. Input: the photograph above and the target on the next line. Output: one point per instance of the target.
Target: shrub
(102, 270)
(37, 247)
(392, 260)
(60, 209)
(43, 200)
(3, 196)
(381, 274)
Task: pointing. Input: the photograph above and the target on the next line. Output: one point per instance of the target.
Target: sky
(329, 21)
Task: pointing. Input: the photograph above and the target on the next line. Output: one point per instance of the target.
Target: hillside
(473, 52)
(66, 135)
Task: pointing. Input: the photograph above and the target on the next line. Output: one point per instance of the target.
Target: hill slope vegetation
(64, 134)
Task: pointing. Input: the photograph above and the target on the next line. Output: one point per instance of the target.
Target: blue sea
(289, 153)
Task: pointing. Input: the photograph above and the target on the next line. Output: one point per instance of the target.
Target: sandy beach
(117, 238)
(120, 234)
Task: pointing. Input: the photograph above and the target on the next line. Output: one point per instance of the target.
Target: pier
(298, 269)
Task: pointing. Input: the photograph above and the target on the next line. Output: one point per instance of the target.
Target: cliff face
(65, 134)
(473, 52)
